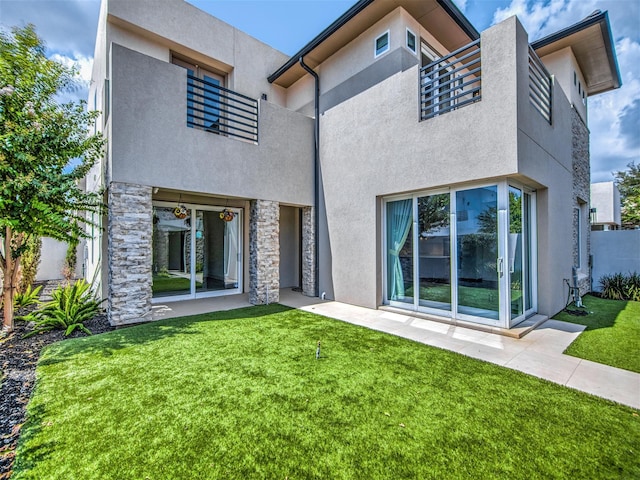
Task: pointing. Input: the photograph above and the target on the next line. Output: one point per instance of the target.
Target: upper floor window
(382, 43)
(411, 41)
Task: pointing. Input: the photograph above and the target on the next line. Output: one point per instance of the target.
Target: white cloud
(461, 4)
(83, 66)
(68, 26)
(612, 115)
(540, 19)
(612, 126)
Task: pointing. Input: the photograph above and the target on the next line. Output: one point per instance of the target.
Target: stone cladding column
(264, 252)
(308, 252)
(581, 188)
(130, 233)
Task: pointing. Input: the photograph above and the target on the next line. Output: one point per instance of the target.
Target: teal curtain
(398, 225)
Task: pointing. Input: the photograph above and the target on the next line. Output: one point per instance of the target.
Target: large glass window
(477, 245)
(171, 261)
(434, 265)
(196, 252)
(467, 254)
(216, 252)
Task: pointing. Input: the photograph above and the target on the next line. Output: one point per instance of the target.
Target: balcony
(539, 86)
(221, 111)
(451, 82)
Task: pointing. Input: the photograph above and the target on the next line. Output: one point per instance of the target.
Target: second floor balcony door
(206, 104)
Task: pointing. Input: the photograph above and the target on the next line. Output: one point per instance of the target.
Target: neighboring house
(605, 206)
(451, 174)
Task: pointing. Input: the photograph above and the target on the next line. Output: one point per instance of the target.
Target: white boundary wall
(615, 251)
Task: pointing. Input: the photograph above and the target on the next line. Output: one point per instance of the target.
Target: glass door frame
(193, 208)
(504, 281)
(529, 256)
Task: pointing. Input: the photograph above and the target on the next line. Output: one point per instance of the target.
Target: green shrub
(621, 287)
(29, 263)
(29, 297)
(71, 306)
(70, 261)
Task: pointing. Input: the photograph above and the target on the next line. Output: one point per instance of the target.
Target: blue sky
(69, 28)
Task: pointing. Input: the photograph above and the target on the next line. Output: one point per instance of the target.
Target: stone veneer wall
(130, 233)
(308, 252)
(264, 252)
(581, 191)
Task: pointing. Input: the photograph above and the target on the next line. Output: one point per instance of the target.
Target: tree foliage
(45, 150)
(628, 183)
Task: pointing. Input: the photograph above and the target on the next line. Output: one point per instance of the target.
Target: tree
(628, 182)
(45, 150)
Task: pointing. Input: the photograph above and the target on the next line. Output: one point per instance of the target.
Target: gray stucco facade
(373, 146)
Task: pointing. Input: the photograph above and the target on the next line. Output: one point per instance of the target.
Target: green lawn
(612, 335)
(240, 395)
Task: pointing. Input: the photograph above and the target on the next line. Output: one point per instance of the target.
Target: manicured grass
(612, 336)
(239, 394)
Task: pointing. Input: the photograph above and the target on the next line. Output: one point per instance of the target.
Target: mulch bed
(18, 359)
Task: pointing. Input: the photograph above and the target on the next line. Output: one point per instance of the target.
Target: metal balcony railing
(451, 82)
(539, 86)
(221, 111)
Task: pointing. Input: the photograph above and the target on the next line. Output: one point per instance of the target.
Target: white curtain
(231, 251)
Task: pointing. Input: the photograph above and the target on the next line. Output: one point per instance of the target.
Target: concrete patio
(539, 353)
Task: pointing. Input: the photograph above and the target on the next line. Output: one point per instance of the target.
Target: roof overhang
(592, 45)
(440, 17)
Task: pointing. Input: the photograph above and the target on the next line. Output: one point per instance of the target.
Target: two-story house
(400, 159)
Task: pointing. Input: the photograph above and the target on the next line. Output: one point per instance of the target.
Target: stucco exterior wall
(605, 198)
(152, 145)
(357, 58)
(546, 162)
(373, 145)
(178, 26)
(562, 64)
(391, 152)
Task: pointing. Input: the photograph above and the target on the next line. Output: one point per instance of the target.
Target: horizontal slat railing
(451, 82)
(221, 111)
(539, 86)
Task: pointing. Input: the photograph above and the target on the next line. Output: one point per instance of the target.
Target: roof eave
(600, 18)
(326, 33)
(447, 5)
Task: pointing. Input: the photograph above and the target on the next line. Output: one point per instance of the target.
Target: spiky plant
(70, 307)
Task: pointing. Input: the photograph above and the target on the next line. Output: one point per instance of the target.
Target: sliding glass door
(477, 246)
(434, 250)
(467, 254)
(196, 251)
(217, 252)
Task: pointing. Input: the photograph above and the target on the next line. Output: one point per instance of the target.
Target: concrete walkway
(539, 353)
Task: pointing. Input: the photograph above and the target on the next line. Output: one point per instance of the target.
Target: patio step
(518, 331)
